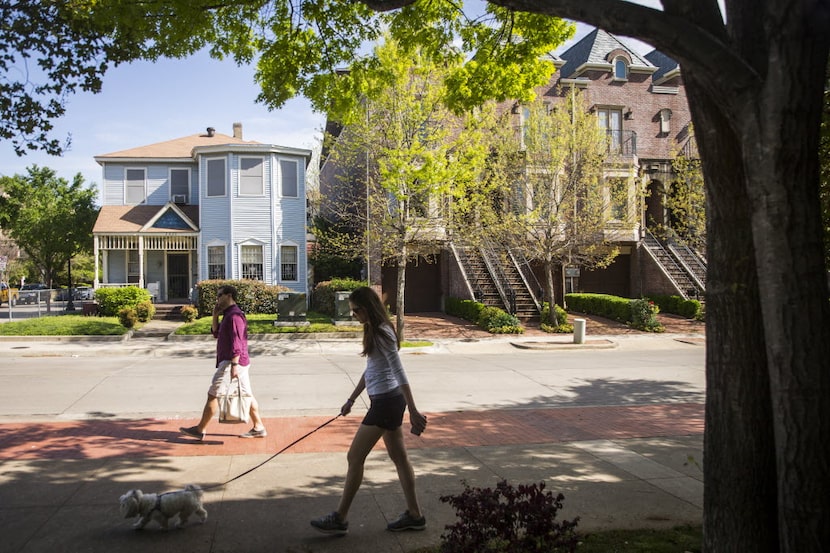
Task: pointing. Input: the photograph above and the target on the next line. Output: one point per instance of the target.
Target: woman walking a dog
(389, 393)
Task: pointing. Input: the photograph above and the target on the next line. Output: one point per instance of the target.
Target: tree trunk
(399, 300)
(550, 293)
(739, 464)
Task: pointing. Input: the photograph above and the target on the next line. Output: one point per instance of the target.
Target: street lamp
(69, 305)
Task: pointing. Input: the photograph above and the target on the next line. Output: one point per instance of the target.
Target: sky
(144, 103)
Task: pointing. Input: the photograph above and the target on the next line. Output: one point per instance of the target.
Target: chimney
(237, 130)
(210, 132)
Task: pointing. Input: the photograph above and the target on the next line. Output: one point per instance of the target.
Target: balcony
(621, 143)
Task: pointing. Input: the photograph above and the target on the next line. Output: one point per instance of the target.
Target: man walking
(232, 361)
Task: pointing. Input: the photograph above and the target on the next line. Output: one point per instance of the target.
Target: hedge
(323, 298)
(111, 300)
(491, 319)
(604, 305)
(253, 296)
(675, 304)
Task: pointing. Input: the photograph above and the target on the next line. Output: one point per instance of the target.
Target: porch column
(141, 283)
(95, 260)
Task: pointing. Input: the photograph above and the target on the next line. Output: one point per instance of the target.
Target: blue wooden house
(204, 206)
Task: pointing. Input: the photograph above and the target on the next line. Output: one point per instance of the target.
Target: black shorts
(386, 412)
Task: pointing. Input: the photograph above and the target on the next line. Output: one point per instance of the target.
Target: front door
(178, 273)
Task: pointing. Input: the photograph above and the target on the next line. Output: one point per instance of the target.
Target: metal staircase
(684, 267)
(496, 278)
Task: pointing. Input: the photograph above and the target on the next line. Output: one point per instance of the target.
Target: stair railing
(652, 245)
(508, 296)
(464, 263)
(528, 278)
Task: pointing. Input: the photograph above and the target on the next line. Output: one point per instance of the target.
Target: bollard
(579, 331)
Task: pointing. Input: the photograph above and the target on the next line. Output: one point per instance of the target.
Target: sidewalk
(618, 466)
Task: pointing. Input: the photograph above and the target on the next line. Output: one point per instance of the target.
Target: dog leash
(295, 442)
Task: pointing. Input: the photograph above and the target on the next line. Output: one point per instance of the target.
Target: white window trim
(228, 262)
(250, 242)
(279, 260)
(170, 181)
(299, 183)
(261, 193)
(614, 68)
(128, 169)
(224, 159)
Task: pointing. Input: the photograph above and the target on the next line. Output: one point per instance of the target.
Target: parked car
(84, 293)
(33, 293)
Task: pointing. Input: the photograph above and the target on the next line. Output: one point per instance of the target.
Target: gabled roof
(592, 52)
(666, 67)
(168, 218)
(178, 148)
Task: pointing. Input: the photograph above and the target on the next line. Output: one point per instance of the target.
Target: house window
(132, 266)
(620, 69)
(251, 182)
(251, 262)
(289, 186)
(216, 262)
(136, 186)
(179, 185)
(665, 118)
(216, 177)
(610, 119)
(288, 263)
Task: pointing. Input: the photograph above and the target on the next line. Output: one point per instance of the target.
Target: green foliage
(491, 319)
(145, 311)
(688, 539)
(112, 300)
(691, 309)
(498, 321)
(127, 316)
(686, 200)
(48, 217)
(604, 305)
(556, 321)
(253, 296)
(644, 315)
(324, 293)
(264, 324)
(64, 325)
(466, 309)
(518, 519)
(189, 313)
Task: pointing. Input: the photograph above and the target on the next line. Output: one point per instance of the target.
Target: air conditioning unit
(179, 198)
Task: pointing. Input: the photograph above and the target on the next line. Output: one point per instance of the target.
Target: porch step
(168, 312)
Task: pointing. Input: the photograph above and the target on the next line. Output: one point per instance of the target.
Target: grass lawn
(264, 324)
(683, 539)
(64, 325)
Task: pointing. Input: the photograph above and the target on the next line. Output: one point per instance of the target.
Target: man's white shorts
(222, 379)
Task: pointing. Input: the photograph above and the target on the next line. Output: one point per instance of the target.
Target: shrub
(498, 321)
(643, 315)
(468, 310)
(145, 311)
(556, 321)
(253, 296)
(127, 317)
(189, 313)
(604, 305)
(517, 519)
(322, 300)
(691, 309)
(112, 300)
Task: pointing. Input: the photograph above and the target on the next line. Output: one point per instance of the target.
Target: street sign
(4, 260)
(572, 272)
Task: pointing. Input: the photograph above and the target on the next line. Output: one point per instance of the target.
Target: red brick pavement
(94, 439)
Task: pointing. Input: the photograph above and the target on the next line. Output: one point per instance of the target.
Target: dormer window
(620, 69)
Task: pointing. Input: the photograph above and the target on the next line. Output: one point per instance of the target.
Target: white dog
(162, 507)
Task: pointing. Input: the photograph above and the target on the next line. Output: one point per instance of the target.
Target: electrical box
(342, 311)
(291, 308)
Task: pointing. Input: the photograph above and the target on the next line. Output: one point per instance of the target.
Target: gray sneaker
(407, 522)
(254, 433)
(331, 524)
(193, 432)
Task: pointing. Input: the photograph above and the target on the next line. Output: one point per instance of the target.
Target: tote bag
(234, 408)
